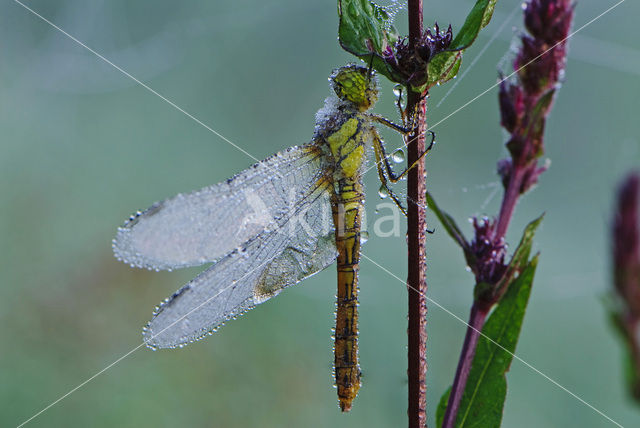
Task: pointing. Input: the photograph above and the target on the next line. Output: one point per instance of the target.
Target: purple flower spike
(626, 244)
(626, 273)
(548, 20)
(526, 101)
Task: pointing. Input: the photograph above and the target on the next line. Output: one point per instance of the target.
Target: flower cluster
(525, 101)
(489, 255)
(411, 63)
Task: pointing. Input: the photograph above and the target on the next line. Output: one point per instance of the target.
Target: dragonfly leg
(399, 105)
(381, 158)
(393, 177)
(386, 122)
(379, 148)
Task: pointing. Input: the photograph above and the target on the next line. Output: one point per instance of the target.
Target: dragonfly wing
(301, 245)
(203, 226)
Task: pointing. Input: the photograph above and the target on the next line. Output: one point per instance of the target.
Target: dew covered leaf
(365, 30)
(443, 68)
(483, 399)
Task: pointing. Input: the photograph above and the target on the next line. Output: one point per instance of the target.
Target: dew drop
(398, 156)
(383, 192)
(397, 90)
(364, 236)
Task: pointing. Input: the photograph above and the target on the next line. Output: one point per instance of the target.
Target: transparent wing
(203, 226)
(302, 244)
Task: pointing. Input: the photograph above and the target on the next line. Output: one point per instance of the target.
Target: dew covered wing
(302, 244)
(204, 226)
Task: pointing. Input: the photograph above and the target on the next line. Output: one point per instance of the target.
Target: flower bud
(548, 20)
(511, 100)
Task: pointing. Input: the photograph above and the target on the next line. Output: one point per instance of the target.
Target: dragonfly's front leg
(379, 145)
(395, 178)
(386, 122)
(381, 159)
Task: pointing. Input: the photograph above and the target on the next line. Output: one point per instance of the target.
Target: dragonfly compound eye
(353, 83)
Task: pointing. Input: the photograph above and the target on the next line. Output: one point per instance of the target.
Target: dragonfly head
(355, 84)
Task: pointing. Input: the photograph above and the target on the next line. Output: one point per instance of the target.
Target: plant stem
(416, 237)
(509, 201)
(476, 321)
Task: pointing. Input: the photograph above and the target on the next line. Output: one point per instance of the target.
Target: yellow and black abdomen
(347, 218)
(347, 146)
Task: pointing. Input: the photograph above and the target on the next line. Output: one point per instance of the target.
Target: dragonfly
(271, 226)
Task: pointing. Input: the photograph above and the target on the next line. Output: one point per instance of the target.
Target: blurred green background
(83, 146)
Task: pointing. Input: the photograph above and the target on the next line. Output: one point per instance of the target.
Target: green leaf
(477, 19)
(365, 30)
(486, 390)
(451, 227)
(452, 71)
(442, 407)
(520, 257)
(442, 68)
(444, 65)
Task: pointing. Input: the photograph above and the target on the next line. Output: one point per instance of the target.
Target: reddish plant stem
(509, 201)
(416, 237)
(417, 286)
(476, 321)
